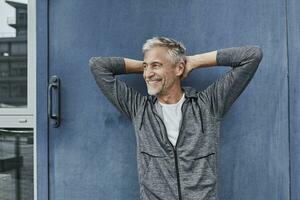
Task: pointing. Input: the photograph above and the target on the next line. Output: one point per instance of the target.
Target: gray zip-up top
(188, 170)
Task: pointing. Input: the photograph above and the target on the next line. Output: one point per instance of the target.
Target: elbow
(256, 53)
(98, 63)
(92, 62)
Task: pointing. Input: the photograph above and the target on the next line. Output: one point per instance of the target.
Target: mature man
(176, 127)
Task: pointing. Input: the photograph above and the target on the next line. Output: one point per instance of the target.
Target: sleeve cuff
(226, 57)
(118, 64)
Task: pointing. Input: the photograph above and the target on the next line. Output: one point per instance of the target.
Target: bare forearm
(133, 66)
(203, 60)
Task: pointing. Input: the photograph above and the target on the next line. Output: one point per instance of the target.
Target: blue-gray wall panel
(93, 152)
(254, 135)
(294, 93)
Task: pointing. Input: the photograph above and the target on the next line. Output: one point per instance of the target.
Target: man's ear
(180, 67)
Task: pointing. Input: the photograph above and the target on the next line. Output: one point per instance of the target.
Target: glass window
(4, 47)
(4, 90)
(18, 49)
(18, 69)
(13, 55)
(17, 117)
(4, 69)
(16, 163)
(16, 139)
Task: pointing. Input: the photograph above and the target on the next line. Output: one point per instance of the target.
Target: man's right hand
(188, 67)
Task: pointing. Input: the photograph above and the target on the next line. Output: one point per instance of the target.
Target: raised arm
(124, 98)
(133, 66)
(221, 94)
(200, 60)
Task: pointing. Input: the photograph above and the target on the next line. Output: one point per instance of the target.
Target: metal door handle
(54, 84)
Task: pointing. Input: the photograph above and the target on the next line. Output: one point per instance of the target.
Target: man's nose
(148, 73)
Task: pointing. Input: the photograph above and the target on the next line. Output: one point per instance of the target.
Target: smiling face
(160, 73)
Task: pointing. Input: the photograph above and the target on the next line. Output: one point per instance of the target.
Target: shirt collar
(189, 93)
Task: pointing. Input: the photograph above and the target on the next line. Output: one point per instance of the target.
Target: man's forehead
(151, 62)
(158, 54)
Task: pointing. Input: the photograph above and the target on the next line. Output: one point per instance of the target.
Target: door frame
(42, 150)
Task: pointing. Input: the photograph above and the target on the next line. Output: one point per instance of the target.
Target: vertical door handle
(54, 117)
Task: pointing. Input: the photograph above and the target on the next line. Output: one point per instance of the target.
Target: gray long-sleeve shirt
(187, 171)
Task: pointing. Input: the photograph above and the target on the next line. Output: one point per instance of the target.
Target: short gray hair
(176, 50)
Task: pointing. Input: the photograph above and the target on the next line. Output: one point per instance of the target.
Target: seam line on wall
(288, 91)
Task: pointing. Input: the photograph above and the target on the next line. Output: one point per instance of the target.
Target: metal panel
(93, 152)
(254, 159)
(294, 94)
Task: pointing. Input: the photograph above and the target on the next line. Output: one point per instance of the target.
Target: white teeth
(153, 81)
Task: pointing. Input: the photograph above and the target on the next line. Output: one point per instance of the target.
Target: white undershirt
(172, 116)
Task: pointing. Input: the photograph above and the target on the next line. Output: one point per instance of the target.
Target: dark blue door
(93, 154)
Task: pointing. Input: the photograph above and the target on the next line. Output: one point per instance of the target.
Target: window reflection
(13, 59)
(16, 163)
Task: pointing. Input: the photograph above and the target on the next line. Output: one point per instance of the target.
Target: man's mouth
(154, 81)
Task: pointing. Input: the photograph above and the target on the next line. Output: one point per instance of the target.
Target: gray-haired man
(176, 127)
